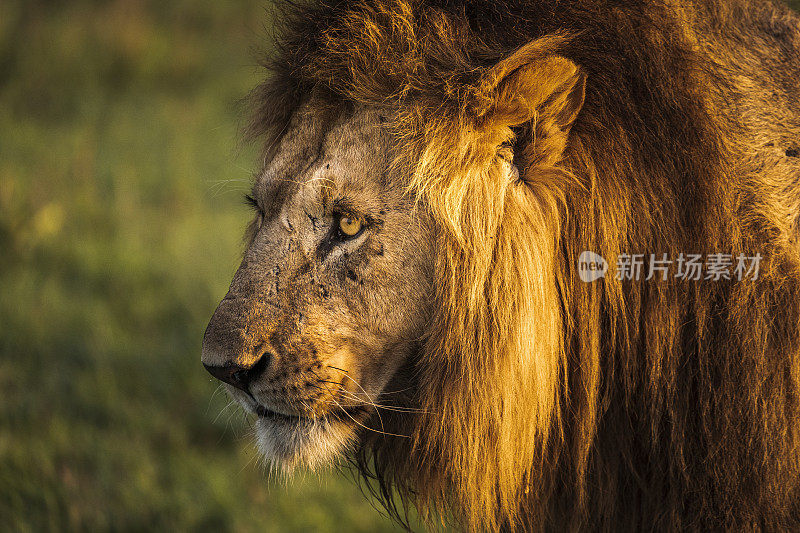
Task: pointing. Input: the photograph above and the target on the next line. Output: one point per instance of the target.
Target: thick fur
(549, 403)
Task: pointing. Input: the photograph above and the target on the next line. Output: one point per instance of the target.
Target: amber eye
(349, 226)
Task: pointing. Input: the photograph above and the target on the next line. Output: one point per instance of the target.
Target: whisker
(409, 409)
(221, 411)
(381, 432)
(350, 396)
(213, 395)
(398, 391)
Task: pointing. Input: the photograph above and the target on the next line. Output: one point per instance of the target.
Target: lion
(410, 300)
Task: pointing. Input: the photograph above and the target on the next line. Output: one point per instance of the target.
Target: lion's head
(334, 292)
(408, 298)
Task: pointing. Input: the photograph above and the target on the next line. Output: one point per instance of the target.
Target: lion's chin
(308, 443)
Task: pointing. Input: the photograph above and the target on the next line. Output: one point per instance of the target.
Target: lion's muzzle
(271, 364)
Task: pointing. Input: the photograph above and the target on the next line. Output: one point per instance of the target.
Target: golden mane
(548, 402)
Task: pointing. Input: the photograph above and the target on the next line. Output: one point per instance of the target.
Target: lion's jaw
(316, 323)
(309, 442)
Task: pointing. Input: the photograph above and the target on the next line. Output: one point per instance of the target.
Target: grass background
(120, 225)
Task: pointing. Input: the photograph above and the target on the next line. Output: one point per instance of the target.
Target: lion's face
(330, 298)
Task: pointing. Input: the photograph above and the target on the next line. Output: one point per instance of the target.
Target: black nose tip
(231, 374)
(239, 376)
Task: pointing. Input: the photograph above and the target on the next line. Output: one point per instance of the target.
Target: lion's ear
(532, 85)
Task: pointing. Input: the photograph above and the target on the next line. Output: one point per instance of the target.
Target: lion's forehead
(320, 152)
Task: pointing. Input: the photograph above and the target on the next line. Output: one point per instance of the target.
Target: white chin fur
(307, 444)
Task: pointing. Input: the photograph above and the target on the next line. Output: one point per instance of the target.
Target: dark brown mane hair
(547, 402)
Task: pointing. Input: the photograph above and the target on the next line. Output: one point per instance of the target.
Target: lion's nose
(238, 376)
(231, 374)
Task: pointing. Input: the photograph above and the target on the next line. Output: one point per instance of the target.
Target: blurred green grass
(120, 227)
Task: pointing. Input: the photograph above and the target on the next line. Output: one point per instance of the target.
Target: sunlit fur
(546, 402)
(311, 446)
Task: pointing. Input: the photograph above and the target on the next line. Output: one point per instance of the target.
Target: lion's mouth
(263, 412)
(340, 414)
(348, 414)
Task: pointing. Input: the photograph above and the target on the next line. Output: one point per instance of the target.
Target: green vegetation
(121, 216)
